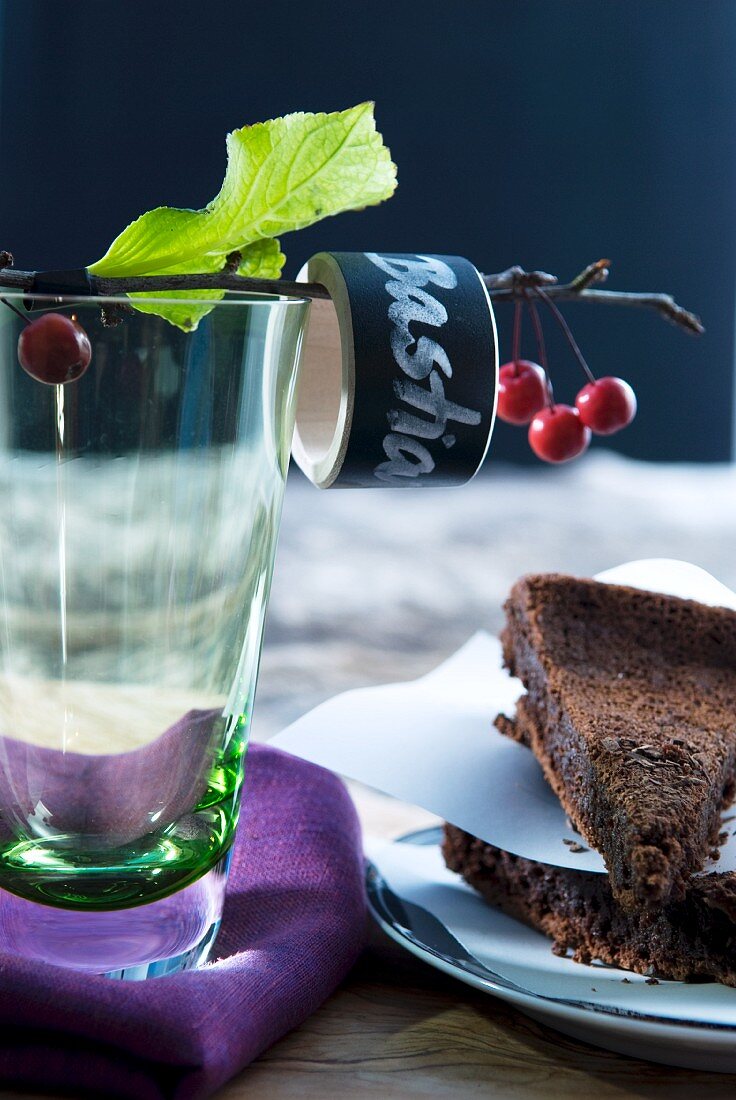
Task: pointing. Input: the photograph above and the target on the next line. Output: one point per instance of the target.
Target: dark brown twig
(13, 279)
(505, 286)
(594, 273)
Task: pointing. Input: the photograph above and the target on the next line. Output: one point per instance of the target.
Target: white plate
(437, 917)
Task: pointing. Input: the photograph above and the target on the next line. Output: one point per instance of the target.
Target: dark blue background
(538, 132)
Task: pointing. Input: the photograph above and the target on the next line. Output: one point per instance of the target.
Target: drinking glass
(139, 510)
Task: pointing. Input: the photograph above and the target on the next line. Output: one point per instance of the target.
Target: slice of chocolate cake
(631, 710)
(692, 939)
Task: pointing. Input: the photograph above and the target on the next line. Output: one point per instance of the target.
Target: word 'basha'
(407, 456)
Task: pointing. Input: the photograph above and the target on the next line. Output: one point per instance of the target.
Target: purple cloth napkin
(292, 927)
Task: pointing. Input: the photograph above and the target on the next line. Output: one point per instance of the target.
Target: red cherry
(606, 405)
(522, 391)
(557, 434)
(54, 349)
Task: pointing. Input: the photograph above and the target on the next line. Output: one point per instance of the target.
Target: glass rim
(232, 298)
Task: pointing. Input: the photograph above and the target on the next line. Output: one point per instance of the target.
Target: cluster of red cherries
(558, 433)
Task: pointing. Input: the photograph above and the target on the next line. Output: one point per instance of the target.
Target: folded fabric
(292, 927)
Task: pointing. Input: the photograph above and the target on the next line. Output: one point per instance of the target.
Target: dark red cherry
(54, 349)
(522, 391)
(557, 434)
(606, 405)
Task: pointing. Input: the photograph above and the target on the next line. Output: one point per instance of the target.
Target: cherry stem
(518, 309)
(22, 316)
(568, 333)
(541, 346)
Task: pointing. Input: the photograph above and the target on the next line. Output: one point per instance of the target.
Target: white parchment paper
(431, 742)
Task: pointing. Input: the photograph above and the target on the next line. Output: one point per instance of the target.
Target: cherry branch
(511, 285)
(506, 285)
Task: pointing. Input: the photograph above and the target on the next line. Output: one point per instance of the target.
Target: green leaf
(282, 175)
(260, 260)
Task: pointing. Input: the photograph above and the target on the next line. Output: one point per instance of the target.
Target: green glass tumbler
(139, 514)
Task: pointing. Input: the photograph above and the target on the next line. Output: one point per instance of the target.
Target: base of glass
(166, 936)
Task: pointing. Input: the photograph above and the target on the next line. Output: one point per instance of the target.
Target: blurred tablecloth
(372, 586)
